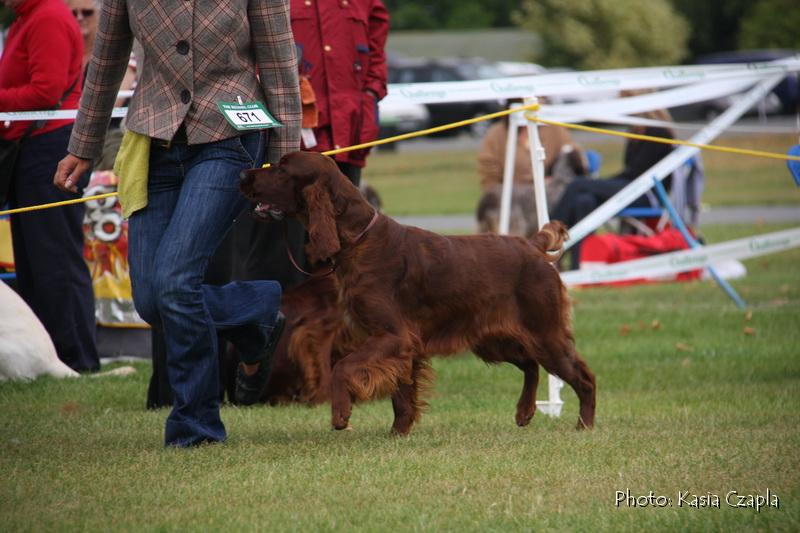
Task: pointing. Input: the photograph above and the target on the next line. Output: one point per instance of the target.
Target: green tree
(470, 15)
(450, 14)
(6, 16)
(594, 34)
(714, 24)
(771, 24)
(411, 16)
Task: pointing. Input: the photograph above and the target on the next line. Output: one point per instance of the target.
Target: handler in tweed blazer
(196, 53)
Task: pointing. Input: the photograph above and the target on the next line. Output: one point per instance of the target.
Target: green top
(131, 167)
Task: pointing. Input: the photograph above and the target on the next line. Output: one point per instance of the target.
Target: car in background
(784, 98)
(396, 117)
(787, 91)
(418, 70)
(518, 68)
(711, 109)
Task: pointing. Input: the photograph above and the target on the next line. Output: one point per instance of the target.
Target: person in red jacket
(343, 74)
(340, 49)
(40, 67)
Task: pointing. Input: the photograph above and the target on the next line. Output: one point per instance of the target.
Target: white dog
(26, 351)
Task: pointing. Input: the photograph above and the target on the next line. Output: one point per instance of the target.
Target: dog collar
(369, 226)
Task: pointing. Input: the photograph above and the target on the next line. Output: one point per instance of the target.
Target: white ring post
(508, 172)
(552, 406)
(537, 159)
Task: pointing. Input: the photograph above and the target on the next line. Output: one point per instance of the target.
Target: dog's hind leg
(496, 350)
(562, 360)
(526, 405)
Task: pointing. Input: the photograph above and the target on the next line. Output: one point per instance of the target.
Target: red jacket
(41, 59)
(340, 46)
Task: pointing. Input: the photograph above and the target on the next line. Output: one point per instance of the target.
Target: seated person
(581, 197)
(563, 162)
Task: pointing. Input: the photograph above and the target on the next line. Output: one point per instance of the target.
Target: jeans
(193, 198)
(52, 276)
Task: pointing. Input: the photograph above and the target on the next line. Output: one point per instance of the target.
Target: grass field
(696, 405)
(703, 402)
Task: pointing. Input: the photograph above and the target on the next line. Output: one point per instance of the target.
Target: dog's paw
(523, 419)
(401, 429)
(340, 423)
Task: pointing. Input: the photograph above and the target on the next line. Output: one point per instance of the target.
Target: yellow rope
(663, 140)
(420, 133)
(529, 107)
(444, 127)
(57, 204)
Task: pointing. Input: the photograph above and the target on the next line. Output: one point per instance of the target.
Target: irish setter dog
(406, 294)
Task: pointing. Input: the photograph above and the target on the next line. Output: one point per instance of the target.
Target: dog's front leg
(375, 368)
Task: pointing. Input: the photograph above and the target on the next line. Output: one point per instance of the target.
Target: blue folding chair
(794, 166)
(593, 160)
(687, 186)
(3, 274)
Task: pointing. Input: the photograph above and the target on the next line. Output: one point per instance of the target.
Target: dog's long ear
(323, 239)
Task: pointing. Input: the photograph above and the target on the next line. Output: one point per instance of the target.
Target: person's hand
(69, 171)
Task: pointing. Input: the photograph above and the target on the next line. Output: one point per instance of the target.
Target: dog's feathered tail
(550, 240)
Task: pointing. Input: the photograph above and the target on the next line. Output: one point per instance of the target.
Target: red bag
(599, 250)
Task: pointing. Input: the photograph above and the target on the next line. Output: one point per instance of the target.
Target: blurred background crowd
(473, 39)
(446, 41)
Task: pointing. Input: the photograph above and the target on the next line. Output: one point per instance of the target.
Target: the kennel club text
(688, 499)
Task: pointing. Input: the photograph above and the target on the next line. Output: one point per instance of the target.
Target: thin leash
(294, 261)
(334, 264)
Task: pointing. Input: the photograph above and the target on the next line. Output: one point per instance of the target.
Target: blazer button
(182, 47)
(186, 96)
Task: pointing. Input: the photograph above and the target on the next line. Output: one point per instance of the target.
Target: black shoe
(250, 388)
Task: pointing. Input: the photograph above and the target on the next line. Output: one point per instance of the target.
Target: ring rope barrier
(410, 135)
(453, 125)
(664, 140)
(378, 142)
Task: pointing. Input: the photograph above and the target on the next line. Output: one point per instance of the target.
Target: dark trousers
(352, 172)
(52, 276)
(582, 196)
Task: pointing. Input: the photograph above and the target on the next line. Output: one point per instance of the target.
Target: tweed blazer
(196, 53)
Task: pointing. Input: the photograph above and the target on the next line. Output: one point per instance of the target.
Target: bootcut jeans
(193, 199)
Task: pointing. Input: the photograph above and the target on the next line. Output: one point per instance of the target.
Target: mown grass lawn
(703, 402)
(697, 404)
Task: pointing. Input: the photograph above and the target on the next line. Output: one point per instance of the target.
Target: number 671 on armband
(247, 115)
